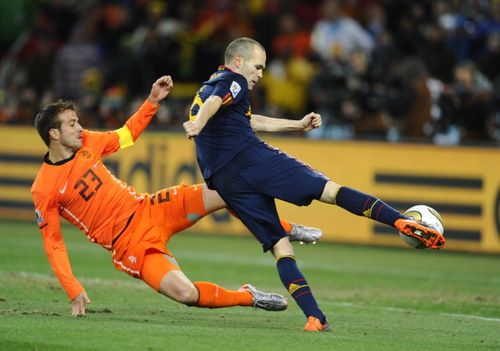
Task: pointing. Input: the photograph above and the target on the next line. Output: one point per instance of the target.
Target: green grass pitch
(375, 298)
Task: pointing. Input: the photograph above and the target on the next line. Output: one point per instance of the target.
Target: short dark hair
(240, 46)
(48, 118)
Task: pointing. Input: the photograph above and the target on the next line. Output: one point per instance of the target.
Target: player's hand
(311, 121)
(160, 89)
(78, 304)
(191, 129)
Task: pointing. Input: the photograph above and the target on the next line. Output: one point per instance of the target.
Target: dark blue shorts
(258, 175)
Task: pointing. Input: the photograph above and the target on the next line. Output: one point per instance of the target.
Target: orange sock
(214, 296)
(285, 224)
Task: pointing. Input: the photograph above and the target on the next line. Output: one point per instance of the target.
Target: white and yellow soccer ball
(427, 216)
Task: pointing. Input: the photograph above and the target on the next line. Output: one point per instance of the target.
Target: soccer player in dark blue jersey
(249, 174)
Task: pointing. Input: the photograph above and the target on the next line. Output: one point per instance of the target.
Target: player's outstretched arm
(78, 304)
(135, 124)
(261, 123)
(59, 261)
(53, 244)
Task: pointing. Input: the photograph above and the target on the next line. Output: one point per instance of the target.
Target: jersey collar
(58, 163)
(225, 68)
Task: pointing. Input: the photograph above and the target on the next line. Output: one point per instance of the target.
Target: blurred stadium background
(408, 91)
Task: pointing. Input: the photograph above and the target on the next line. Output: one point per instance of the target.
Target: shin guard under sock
(366, 205)
(297, 286)
(213, 296)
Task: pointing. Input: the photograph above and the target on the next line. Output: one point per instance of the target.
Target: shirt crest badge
(235, 88)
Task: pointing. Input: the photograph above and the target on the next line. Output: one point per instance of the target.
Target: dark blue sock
(297, 286)
(366, 205)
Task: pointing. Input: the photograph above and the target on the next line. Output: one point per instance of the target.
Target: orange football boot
(314, 325)
(430, 237)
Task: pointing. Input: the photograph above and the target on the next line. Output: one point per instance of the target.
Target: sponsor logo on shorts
(39, 218)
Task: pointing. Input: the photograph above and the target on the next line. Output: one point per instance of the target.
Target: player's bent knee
(161, 272)
(178, 287)
(282, 248)
(212, 200)
(188, 296)
(330, 192)
(155, 268)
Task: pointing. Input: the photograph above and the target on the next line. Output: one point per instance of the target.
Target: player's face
(252, 68)
(70, 132)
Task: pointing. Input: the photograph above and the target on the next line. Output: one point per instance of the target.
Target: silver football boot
(304, 234)
(266, 301)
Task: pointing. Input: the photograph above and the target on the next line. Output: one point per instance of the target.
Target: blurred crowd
(424, 70)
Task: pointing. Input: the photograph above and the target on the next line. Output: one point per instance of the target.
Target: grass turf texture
(375, 298)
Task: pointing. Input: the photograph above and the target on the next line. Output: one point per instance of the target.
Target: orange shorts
(154, 267)
(157, 219)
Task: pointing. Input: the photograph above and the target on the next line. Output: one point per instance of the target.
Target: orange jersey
(83, 191)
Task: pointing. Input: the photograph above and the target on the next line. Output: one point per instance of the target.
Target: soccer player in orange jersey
(73, 183)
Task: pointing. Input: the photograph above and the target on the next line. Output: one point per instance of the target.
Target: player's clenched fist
(311, 121)
(191, 129)
(160, 89)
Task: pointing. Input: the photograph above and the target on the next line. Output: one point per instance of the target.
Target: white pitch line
(403, 310)
(268, 261)
(91, 281)
(470, 316)
(333, 267)
(114, 282)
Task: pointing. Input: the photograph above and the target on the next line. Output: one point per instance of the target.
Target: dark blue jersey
(246, 172)
(229, 130)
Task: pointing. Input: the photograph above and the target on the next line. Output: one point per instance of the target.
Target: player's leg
(296, 284)
(212, 202)
(162, 273)
(282, 179)
(258, 213)
(359, 203)
(189, 203)
(296, 232)
(371, 207)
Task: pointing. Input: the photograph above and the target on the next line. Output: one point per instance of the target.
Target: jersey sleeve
(47, 216)
(230, 89)
(112, 141)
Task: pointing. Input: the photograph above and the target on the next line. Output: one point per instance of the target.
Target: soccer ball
(426, 215)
